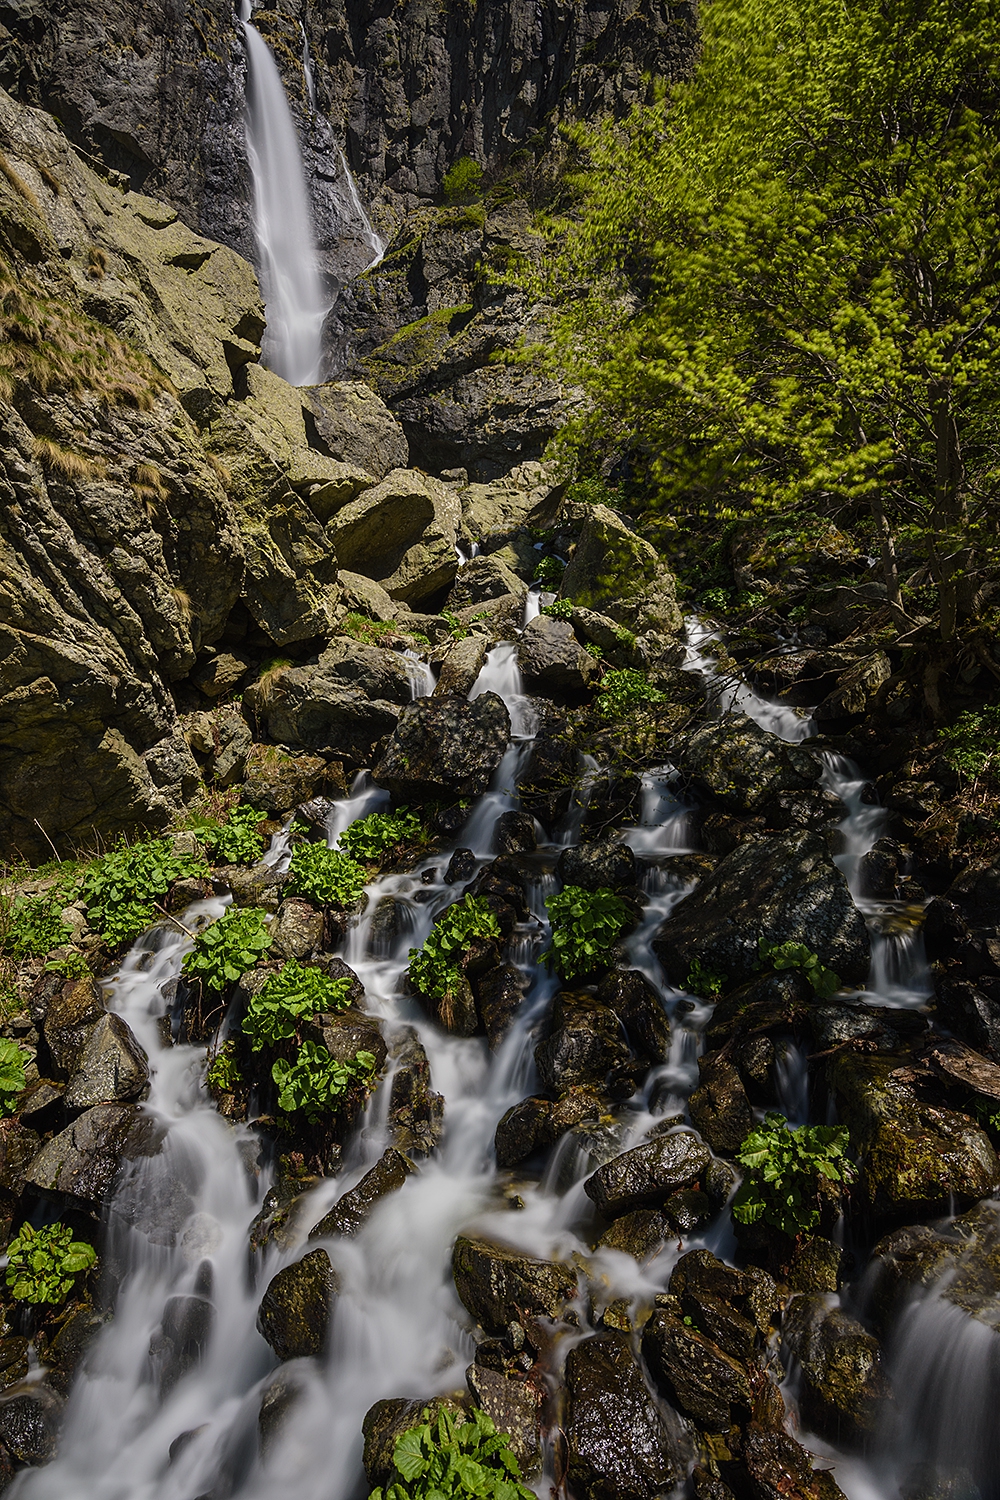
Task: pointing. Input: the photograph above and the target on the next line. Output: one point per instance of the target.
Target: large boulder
(694, 1373)
(515, 1406)
(294, 1313)
(551, 657)
(646, 1176)
(112, 1067)
(83, 1160)
(843, 1382)
(640, 1010)
(500, 1286)
(354, 1208)
(585, 1045)
(786, 889)
(719, 1106)
(619, 1445)
(402, 533)
(445, 747)
(482, 579)
(745, 767)
(30, 1419)
(618, 574)
(347, 421)
(594, 866)
(303, 707)
(72, 1014)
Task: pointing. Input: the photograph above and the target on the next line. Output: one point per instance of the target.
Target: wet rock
(619, 574)
(281, 1396)
(499, 993)
(970, 1014)
(354, 1208)
(778, 1467)
(619, 1446)
(585, 1044)
(694, 1373)
(386, 1421)
(83, 1160)
(598, 865)
(646, 1176)
(462, 665)
(523, 1130)
(297, 931)
(461, 867)
(484, 578)
(548, 780)
(713, 1302)
(30, 1418)
(416, 1112)
(515, 1407)
(18, 1147)
(402, 533)
(640, 1234)
(552, 659)
(13, 1361)
(844, 1385)
(688, 1210)
(640, 1010)
(817, 1265)
(294, 1314)
(112, 1067)
(720, 1109)
(277, 782)
(348, 422)
(904, 1260)
(71, 1014)
(833, 1025)
(514, 833)
(719, 1181)
(783, 890)
(183, 1337)
(346, 1034)
(499, 1286)
(738, 762)
(445, 747)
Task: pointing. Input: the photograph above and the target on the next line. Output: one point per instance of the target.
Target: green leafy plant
(597, 652)
(797, 956)
(704, 980)
(625, 637)
(585, 927)
(315, 1082)
(783, 1172)
(370, 838)
(463, 179)
(550, 569)
(72, 965)
(31, 926)
(559, 609)
(442, 1459)
(42, 1264)
(228, 948)
(434, 968)
(224, 1072)
(457, 630)
(239, 840)
(326, 876)
(120, 889)
(12, 1080)
(972, 740)
(625, 691)
(290, 997)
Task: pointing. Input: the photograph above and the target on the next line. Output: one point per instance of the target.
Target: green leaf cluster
(626, 691)
(585, 927)
(703, 980)
(797, 956)
(12, 1080)
(31, 926)
(784, 1167)
(296, 993)
(315, 1082)
(325, 876)
(550, 569)
(559, 609)
(973, 740)
(43, 1263)
(463, 179)
(229, 948)
(369, 839)
(237, 841)
(120, 889)
(434, 969)
(224, 1072)
(444, 1459)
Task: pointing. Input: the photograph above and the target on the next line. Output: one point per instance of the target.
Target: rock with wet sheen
(524, 1129)
(639, 1234)
(499, 993)
(30, 1419)
(586, 1042)
(640, 1010)
(294, 1314)
(515, 1407)
(72, 1012)
(445, 747)
(646, 1176)
(598, 865)
(843, 1383)
(83, 1160)
(618, 1444)
(694, 1373)
(112, 1067)
(354, 1208)
(719, 1107)
(416, 1112)
(499, 1286)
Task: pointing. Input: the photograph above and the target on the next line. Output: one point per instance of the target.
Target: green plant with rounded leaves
(559, 609)
(72, 965)
(296, 993)
(326, 876)
(229, 948)
(31, 926)
(705, 981)
(224, 1072)
(237, 841)
(797, 956)
(585, 927)
(442, 1459)
(42, 1264)
(12, 1079)
(122, 888)
(784, 1169)
(315, 1082)
(368, 839)
(550, 569)
(625, 692)
(434, 968)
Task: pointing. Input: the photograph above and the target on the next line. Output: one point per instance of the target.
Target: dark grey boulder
(844, 1384)
(619, 1446)
(744, 766)
(445, 746)
(640, 1010)
(294, 1313)
(30, 1418)
(598, 865)
(182, 1338)
(694, 1373)
(515, 1406)
(523, 1130)
(72, 1012)
(308, 708)
(112, 1067)
(514, 833)
(551, 657)
(499, 1286)
(482, 579)
(354, 1208)
(586, 1043)
(499, 993)
(777, 1467)
(416, 1112)
(719, 1107)
(83, 1160)
(68, 1349)
(640, 1234)
(646, 1176)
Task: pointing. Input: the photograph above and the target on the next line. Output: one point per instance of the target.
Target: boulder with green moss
(402, 533)
(619, 574)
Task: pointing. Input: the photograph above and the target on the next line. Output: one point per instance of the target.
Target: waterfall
(289, 271)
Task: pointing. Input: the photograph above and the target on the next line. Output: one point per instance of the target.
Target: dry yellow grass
(182, 599)
(66, 462)
(18, 183)
(97, 262)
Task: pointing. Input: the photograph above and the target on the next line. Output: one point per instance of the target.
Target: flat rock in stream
(619, 1445)
(294, 1314)
(500, 1286)
(444, 746)
(646, 1176)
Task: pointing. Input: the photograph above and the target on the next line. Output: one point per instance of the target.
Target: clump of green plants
(368, 839)
(12, 1080)
(371, 632)
(784, 1170)
(315, 1082)
(224, 1072)
(703, 980)
(797, 956)
(443, 1458)
(585, 927)
(289, 997)
(237, 841)
(71, 965)
(31, 926)
(326, 876)
(550, 569)
(462, 180)
(625, 691)
(972, 741)
(42, 1264)
(456, 629)
(559, 609)
(229, 948)
(122, 888)
(434, 968)
(592, 649)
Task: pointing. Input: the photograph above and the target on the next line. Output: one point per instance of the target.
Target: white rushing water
(730, 694)
(294, 298)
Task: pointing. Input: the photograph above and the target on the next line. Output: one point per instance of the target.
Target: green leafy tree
(315, 1083)
(326, 876)
(441, 1458)
(229, 948)
(42, 1264)
(434, 968)
(585, 927)
(122, 889)
(784, 1169)
(290, 997)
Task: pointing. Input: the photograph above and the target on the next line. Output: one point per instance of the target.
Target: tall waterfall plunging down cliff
(289, 271)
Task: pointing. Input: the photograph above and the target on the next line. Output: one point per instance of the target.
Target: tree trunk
(950, 557)
(890, 567)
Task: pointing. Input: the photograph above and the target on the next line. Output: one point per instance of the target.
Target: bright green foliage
(592, 649)
(121, 888)
(289, 997)
(315, 1082)
(585, 927)
(705, 981)
(783, 1168)
(797, 956)
(12, 1082)
(622, 693)
(457, 629)
(43, 1263)
(973, 740)
(550, 569)
(239, 840)
(559, 609)
(369, 838)
(443, 1459)
(72, 966)
(434, 968)
(224, 1072)
(463, 179)
(228, 948)
(31, 926)
(326, 876)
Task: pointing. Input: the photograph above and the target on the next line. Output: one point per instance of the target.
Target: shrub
(972, 740)
(560, 609)
(239, 840)
(625, 691)
(462, 179)
(783, 1172)
(31, 926)
(372, 837)
(291, 996)
(315, 1082)
(42, 1264)
(704, 981)
(121, 889)
(12, 1080)
(550, 569)
(434, 968)
(224, 1072)
(797, 956)
(72, 965)
(585, 927)
(326, 876)
(228, 948)
(443, 1459)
